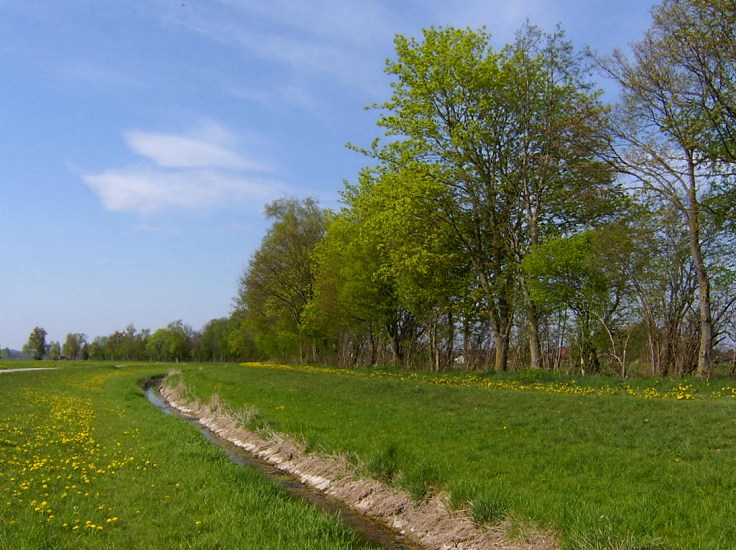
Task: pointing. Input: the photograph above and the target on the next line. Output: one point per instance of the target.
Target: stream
(369, 532)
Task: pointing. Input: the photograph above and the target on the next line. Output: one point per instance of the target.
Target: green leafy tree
(212, 344)
(156, 345)
(349, 300)
(36, 344)
(504, 143)
(73, 345)
(179, 341)
(569, 273)
(97, 349)
(239, 341)
(54, 351)
(279, 281)
(356, 300)
(418, 270)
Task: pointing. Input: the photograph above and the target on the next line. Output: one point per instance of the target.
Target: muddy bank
(430, 524)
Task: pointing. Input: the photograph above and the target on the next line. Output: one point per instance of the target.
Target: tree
(503, 143)
(73, 345)
(279, 281)
(586, 274)
(156, 345)
(36, 344)
(54, 351)
(699, 38)
(665, 287)
(179, 341)
(674, 126)
(358, 300)
(350, 304)
(213, 342)
(97, 349)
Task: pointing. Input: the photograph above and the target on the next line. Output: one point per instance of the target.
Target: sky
(140, 140)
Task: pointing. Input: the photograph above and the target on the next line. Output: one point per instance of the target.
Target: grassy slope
(87, 462)
(606, 471)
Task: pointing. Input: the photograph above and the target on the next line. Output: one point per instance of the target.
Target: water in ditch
(369, 531)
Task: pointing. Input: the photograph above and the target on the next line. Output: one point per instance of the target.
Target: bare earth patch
(430, 523)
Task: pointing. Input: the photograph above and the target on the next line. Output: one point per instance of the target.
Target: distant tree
(357, 305)
(156, 345)
(239, 341)
(73, 345)
(213, 341)
(36, 344)
(586, 274)
(54, 351)
(97, 349)
(179, 341)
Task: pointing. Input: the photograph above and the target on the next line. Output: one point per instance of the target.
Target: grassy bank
(87, 462)
(630, 465)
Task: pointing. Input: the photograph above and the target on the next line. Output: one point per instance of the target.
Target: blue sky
(140, 140)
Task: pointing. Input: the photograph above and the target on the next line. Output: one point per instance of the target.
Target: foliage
(674, 126)
(36, 345)
(74, 346)
(509, 218)
(486, 148)
(278, 283)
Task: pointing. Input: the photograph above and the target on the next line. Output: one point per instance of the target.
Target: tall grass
(638, 465)
(86, 461)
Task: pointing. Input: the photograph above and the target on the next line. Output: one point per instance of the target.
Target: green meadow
(605, 464)
(87, 462)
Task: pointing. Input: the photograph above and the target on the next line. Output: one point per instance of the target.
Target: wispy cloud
(202, 169)
(278, 97)
(211, 146)
(318, 38)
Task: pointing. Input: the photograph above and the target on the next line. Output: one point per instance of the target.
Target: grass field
(606, 464)
(87, 462)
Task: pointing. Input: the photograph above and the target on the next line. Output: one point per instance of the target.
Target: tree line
(509, 217)
(219, 340)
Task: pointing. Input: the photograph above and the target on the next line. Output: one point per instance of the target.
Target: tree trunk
(450, 348)
(501, 352)
(535, 344)
(704, 309)
(501, 333)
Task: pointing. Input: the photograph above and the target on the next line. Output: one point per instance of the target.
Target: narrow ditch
(369, 532)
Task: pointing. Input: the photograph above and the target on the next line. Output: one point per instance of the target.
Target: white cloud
(192, 171)
(150, 190)
(210, 146)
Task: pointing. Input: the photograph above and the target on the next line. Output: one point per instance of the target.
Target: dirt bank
(431, 523)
